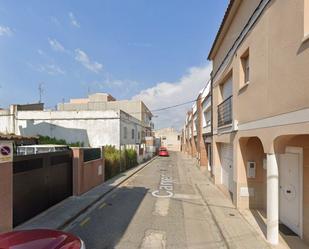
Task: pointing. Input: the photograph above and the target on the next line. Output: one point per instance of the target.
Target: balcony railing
(225, 112)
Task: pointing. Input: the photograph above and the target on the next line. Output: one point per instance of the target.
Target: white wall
(131, 124)
(6, 122)
(171, 141)
(94, 128)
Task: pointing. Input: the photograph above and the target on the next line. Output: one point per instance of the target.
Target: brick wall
(202, 150)
(86, 175)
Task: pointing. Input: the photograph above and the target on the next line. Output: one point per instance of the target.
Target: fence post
(78, 160)
(6, 186)
(103, 162)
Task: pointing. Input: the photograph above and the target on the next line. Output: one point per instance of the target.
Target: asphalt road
(159, 207)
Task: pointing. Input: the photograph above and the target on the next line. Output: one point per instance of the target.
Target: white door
(289, 191)
(209, 157)
(226, 156)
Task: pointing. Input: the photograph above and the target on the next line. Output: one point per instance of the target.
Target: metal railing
(225, 112)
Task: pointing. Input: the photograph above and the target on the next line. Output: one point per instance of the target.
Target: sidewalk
(240, 228)
(60, 215)
(234, 228)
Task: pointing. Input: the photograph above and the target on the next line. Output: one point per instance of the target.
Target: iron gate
(39, 182)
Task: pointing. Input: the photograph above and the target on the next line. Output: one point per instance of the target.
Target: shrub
(117, 161)
(131, 158)
(112, 161)
(53, 140)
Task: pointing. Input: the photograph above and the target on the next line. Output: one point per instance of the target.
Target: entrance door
(227, 165)
(289, 192)
(209, 157)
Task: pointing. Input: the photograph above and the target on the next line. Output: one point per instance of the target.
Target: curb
(68, 221)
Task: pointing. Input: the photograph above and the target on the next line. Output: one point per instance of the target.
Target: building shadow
(71, 135)
(109, 220)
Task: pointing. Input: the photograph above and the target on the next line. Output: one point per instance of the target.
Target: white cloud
(73, 20)
(84, 59)
(5, 31)
(165, 94)
(51, 69)
(55, 45)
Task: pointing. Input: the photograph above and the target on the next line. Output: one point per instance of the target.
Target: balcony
(225, 112)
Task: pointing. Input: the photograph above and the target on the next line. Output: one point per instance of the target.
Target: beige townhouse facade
(197, 131)
(260, 81)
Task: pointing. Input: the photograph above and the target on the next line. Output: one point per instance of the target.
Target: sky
(153, 50)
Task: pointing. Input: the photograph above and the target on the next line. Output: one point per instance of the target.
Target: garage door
(226, 157)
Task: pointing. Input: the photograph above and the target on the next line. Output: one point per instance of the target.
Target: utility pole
(41, 90)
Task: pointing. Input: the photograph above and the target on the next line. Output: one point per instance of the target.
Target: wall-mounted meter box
(251, 169)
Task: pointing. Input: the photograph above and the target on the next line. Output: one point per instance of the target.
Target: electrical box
(251, 168)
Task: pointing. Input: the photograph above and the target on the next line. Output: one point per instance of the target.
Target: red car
(163, 151)
(40, 239)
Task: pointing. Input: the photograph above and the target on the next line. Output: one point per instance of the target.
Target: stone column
(272, 199)
(193, 145)
(200, 140)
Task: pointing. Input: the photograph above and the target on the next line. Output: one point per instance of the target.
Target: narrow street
(168, 204)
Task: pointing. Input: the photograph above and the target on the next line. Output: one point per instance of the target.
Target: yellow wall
(306, 17)
(252, 150)
(244, 11)
(279, 59)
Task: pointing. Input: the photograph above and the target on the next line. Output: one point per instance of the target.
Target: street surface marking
(103, 205)
(162, 206)
(84, 222)
(165, 188)
(154, 240)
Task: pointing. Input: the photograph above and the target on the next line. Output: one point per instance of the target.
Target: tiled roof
(16, 137)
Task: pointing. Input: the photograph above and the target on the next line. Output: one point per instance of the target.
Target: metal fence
(225, 112)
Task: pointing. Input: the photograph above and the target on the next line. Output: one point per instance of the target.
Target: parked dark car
(163, 151)
(40, 239)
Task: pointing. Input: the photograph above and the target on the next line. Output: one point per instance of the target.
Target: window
(133, 135)
(227, 88)
(178, 137)
(195, 127)
(163, 138)
(138, 135)
(306, 17)
(125, 131)
(207, 116)
(245, 67)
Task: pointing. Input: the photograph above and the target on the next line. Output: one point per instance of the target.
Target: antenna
(41, 90)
